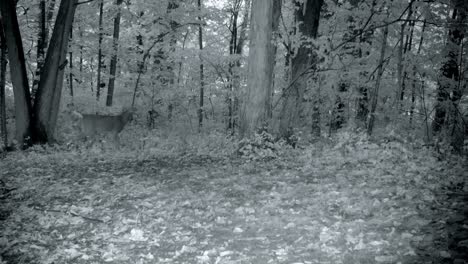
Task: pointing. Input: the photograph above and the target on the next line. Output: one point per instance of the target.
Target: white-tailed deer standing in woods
(95, 125)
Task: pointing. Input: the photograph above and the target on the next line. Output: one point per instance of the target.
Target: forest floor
(345, 203)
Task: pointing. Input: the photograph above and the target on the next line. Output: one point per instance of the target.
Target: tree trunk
(115, 49)
(18, 73)
(3, 68)
(307, 18)
(402, 50)
(44, 19)
(70, 65)
(362, 89)
(100, 60)
(81, 54)
(41, 41)
(236, 46)
(49, 92)
(375, 94)
(202, 77)
(449, 91)
(256, 101)
(233, 28)
(316, 115)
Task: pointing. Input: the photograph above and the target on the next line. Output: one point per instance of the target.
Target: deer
(95, 125)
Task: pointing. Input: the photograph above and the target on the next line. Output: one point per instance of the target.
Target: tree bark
(115, 49)
(362, 89)
(236, 45)
(100, 60)
(257, 98)
(375, 94)
(233, 28)
(202, 77)
(41, 41)
(449, 91)
(49, 92)
(3, 68)
(18, 74)
(70, 66)
(307, 18)
(402, 49)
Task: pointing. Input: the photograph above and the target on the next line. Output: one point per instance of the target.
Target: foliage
(263, 146)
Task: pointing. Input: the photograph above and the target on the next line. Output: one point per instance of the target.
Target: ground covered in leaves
(346, 202)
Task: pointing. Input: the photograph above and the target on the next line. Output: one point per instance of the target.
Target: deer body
(101, 125)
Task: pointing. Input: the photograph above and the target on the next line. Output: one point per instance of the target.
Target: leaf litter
(365, 203)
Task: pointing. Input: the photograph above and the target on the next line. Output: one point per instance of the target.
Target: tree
(115, 49)
(18, 73)
(375, 93)
(449, 92)
(202, 78)
(3, 68)
(307, 17)
(99, 82)
(236, 45)
(47, 103)
(44, 19)
(257, 99)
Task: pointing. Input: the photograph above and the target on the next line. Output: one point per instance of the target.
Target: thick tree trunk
(49, 92)
(307, 18)
(41, 42)
(3, 68)
(18, 71)
(44, 19)
(115, 49)
(257, 98)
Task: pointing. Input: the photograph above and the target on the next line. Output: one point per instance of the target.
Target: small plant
(262, 146)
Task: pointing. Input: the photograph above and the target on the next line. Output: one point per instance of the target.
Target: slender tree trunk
(254, 113)
(414, 83)
(70, 65)
(238, 46)
(18, 74)
(81, 54)
(316, 115)
(363, 89)
(3, 69)
(100, 59)
(307, 17)
(202, 77)
(375, 94)
(232, 49)
(402, 49)
(115, 49)
(49, 92)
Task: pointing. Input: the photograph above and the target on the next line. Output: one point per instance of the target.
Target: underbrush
(136, 142)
